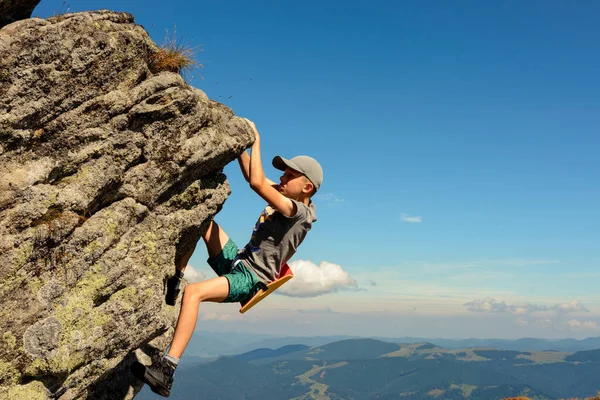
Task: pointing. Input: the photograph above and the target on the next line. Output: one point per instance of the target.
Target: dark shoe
(159, 376)
(172, 287)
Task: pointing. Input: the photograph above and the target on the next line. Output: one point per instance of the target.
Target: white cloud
(406, 218)
(533, 315)
(572, 306)
(524, 308)
(328, 197)
(311, 280)
(490, 305)
(583, 325)
(213, 316)
(193, 276)
(486, 305)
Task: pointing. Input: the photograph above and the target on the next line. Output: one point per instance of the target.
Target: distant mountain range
(211, 344)
(362, 369)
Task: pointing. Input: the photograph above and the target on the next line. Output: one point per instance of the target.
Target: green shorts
(243, 283)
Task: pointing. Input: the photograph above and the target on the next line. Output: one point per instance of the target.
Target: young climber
(280, 229)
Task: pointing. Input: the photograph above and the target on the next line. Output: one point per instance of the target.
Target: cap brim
(281, 164)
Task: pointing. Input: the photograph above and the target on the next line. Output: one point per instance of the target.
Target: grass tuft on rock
(176, 56)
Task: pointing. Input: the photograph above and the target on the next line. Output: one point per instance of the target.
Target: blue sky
(460, 146)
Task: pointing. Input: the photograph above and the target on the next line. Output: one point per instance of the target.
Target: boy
(278, 232)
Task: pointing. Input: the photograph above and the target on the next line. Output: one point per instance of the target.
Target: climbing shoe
(159, 375)
(172, 287)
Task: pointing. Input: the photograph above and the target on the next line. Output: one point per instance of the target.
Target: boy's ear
(308, 187)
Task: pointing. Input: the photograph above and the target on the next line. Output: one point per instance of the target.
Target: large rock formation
(109, 172)
(15, 10)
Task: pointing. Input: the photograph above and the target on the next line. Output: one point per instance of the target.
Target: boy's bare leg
(216, 290)
(215, 239)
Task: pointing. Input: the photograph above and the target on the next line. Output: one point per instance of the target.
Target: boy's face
(293, 183)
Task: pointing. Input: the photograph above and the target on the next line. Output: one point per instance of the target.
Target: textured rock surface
(15, 10)
(108, 174)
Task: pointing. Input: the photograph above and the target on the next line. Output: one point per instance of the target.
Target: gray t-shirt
(275, 239)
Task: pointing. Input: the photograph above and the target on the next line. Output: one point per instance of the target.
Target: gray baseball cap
(305, 164)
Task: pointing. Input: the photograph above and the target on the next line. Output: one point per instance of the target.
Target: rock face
(109, 173)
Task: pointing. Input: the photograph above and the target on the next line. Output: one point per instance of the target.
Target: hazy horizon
(383, 338)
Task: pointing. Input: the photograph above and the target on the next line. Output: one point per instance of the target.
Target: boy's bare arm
(244, 161)
(261, 185)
